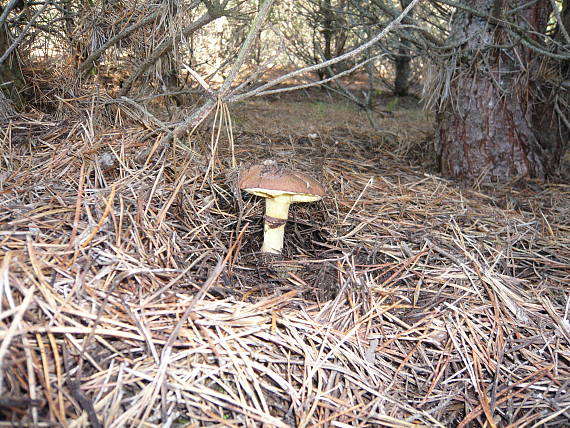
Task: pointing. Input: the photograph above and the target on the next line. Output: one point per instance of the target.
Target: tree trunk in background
(327, 19)
(334, 35)
(11, 79)
(403, 60)
(563, 37)
(498, 120)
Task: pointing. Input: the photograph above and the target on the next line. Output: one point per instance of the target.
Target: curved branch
(394, 13)
(560, 22)
(319, 82)
(166, 45)
(200, 114)
(21, 36)
(7, 9)
(88, 63)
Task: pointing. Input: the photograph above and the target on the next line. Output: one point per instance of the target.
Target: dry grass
(132, 294)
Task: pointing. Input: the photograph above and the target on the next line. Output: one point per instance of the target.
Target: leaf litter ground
(133, 293)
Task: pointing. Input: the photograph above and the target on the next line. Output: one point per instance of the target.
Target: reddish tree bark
(499, 120)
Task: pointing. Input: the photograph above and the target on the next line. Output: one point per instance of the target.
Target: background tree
(501, 92)
(11, 78)
(403, 59)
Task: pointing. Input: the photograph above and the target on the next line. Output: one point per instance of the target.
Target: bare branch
(318, 82)
(199, 115)
(354, 52)
(88, 63)
(21, 36)
(408, 21)
(247, 44)
(7, 9)
(560, 22)
(166, 45)
(263, 67)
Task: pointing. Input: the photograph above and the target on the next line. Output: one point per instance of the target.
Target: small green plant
(321, 107)
(391, 106)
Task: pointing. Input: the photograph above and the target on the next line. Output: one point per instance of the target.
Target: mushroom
(280, 188)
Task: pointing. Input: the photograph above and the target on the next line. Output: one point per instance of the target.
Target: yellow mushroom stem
(277, 204)
(276, 214)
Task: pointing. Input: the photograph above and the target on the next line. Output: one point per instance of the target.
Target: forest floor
(133, 294)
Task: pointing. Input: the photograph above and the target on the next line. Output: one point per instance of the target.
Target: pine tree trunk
(499, 120)
(11, 79)
(402, 61)
(326, 16)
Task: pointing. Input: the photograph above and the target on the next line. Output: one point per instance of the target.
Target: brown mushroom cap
(270, 180)
(280, 188)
